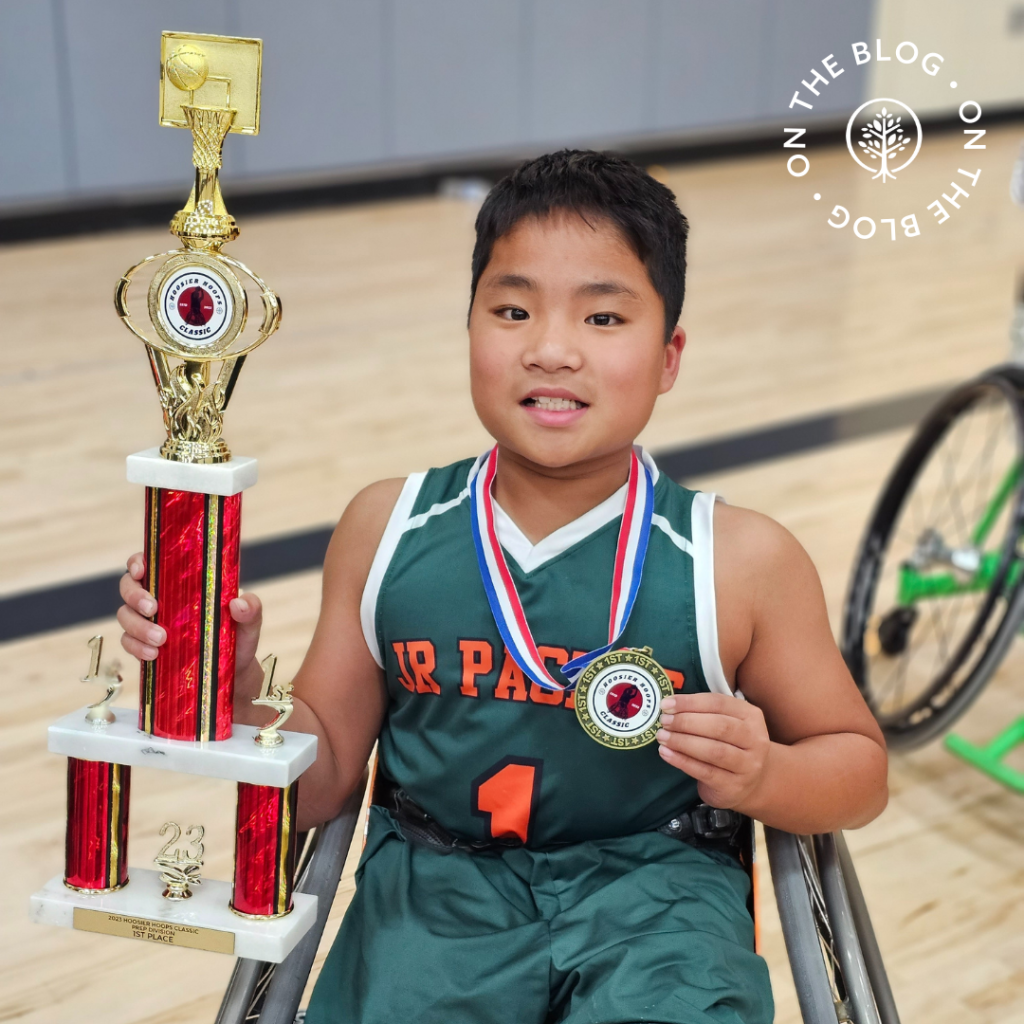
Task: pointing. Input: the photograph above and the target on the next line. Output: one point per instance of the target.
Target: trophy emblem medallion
(196, 303)
(618, 698)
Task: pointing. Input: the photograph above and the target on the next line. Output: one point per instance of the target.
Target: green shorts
(615, 931)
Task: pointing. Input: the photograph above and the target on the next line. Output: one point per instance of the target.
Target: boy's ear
(673, 352)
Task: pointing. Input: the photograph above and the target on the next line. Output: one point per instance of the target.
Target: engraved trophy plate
(167, 933)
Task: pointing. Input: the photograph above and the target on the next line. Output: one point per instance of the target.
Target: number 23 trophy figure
(198, 309)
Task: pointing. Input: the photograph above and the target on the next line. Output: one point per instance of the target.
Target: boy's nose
(552, 350)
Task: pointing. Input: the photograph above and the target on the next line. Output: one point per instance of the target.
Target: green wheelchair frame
(833, 953)
(915, 585)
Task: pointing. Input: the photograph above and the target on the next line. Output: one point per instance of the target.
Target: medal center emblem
(624, 700)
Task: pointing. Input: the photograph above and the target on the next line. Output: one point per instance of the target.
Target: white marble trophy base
(205, 921)
(225, 478)
(238, 758)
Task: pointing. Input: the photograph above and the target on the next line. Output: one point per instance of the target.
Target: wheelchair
(833, 953)
(936, 594)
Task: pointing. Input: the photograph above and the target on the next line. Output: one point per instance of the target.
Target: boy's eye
(602, 320)
(513, 313)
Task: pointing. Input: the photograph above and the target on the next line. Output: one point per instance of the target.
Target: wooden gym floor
(367, 378)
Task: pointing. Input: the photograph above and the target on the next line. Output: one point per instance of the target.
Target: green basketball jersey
(481, 748)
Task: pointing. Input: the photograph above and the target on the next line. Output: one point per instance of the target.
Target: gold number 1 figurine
(100, 711)
(277, 696)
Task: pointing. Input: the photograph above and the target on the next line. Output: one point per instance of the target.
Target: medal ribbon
(506, 607)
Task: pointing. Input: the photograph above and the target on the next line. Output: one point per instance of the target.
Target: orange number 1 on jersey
(506, 793)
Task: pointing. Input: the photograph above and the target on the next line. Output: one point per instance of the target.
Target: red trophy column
(96, 841)
(192, 546)
(265, 840)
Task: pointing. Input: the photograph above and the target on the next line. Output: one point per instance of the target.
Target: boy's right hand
(142, 638)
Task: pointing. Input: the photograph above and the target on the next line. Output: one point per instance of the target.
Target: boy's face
(567, 341)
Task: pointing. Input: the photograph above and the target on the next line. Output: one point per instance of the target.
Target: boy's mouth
(554, 407)
(551, 404)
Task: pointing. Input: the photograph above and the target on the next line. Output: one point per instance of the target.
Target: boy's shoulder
(359, 532)
(751, 546)
(375, 502)
(762, 573)
(441, 485)
(367, 514)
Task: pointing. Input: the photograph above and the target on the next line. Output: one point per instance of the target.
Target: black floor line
(68, 604)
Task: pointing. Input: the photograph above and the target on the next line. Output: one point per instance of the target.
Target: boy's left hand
(720, 741)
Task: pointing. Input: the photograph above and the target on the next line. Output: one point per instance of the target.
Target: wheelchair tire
(919, 666)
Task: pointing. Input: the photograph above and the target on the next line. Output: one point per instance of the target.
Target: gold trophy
(197, 305)
(198, 308)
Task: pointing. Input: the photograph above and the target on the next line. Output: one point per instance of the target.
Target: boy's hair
(593, 184)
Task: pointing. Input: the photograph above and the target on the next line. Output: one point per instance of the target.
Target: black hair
(589, 183)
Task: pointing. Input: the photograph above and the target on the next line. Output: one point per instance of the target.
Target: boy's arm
(803, 753)
(339, 692)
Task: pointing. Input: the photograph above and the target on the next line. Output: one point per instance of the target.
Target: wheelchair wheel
(935, 596)
(833, 953)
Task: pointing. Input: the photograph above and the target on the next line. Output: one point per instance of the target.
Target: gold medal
(618, 698)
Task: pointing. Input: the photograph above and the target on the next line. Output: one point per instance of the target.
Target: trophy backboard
(226, 70)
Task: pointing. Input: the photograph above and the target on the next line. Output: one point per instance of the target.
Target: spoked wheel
(833, 952)
(935, 596)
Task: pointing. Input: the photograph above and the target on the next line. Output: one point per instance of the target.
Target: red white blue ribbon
(503, 597)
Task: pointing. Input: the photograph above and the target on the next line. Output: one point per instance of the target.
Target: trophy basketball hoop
(196, 342)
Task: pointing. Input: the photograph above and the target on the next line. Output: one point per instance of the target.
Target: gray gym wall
(353, 88)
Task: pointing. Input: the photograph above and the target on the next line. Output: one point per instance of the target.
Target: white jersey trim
(702, 528)
(415, 522)
(531, 556)
(666, 528)
(397, 524)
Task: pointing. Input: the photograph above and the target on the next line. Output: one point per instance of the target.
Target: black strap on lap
(703, 826)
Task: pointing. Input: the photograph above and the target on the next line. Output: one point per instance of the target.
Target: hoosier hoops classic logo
(199, 307)
(884, 137)
(618, 698)
(625, 701)
(196, 306)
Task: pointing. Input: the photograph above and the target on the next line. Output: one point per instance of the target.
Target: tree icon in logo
(888, 140)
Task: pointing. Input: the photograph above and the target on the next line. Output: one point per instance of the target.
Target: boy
(526, 863)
